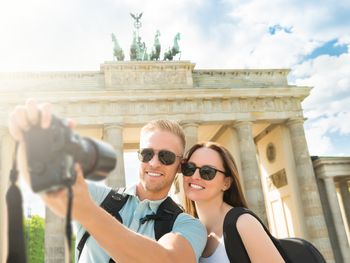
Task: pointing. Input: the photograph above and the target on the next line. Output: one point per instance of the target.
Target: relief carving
(277, 180)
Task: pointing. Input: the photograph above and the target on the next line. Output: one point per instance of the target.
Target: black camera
(52, 152)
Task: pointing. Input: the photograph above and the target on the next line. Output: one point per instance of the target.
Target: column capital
(238, 124)
(297, 120)
(190, 123)
(117, 125)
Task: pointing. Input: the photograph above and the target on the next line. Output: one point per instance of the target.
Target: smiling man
(136, 239)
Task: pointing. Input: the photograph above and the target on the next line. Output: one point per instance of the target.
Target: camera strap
(16, 245)
(69, 221)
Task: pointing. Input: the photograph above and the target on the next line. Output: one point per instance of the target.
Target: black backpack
(164, 219)
(293, 250)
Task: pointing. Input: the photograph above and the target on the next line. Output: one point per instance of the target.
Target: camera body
(52, 152)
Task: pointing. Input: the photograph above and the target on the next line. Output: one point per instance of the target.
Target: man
(161, 148)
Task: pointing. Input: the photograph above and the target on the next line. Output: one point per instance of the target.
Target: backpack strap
(112, 203)
(166, 215)
(234, 246)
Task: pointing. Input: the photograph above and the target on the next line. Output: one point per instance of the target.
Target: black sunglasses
(164, 156)
(206, 172)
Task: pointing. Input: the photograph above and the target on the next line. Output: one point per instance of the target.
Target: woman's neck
(212, 214)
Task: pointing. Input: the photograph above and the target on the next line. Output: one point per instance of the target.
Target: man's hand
(21, 120)
(82, 202)
(25, 116)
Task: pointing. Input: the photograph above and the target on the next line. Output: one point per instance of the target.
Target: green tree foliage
(34, 235)
(35, 238)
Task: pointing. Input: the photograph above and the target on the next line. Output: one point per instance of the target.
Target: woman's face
(199, 189)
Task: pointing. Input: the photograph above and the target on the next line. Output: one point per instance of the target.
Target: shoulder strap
(234, 246)
(232, 238)
(165, 217)
(112, 203)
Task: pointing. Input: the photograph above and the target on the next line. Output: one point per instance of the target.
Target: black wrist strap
(16, 245)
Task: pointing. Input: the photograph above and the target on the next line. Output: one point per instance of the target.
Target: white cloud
(75, 35)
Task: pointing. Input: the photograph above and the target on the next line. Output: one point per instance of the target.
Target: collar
(152, 204)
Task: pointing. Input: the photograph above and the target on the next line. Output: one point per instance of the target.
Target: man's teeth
(196, 186)
(154, 174)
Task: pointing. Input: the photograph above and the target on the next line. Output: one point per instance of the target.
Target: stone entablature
(109, 109)
(331, 167)
(51, 81)
(111, 95)
(239, 77)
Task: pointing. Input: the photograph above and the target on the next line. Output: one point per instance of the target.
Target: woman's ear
(227, 183)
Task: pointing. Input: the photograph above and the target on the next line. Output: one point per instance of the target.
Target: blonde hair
(166, 125)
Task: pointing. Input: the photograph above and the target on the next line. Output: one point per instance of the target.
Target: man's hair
(166, 125)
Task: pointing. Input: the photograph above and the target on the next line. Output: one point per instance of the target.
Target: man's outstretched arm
(122, 244)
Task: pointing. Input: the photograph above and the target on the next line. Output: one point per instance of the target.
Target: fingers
(46, 115)
(25, 116)
(71, 123)
(79, 172)
(32, 111)
(18, 122)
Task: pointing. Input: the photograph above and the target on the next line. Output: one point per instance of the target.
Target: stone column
(250, 169)
(337, 219)
(345, 196)
(3, 188)
(55, 243)
(113, 134)
(191, 134)
(316, 229)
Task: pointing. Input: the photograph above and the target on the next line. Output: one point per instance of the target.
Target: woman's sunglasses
(164, 156)
(206, 172)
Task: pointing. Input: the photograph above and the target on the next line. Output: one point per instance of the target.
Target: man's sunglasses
(206, 172)
(164, 156)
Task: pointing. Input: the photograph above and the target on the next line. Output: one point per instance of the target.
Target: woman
(212, 189)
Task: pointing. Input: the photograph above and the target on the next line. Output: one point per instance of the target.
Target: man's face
(156, 178)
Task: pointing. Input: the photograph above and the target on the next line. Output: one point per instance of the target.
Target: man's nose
(154, 162)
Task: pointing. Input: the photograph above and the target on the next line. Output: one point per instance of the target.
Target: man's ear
(182, 160)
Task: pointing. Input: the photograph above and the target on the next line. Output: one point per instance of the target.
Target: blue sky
(310, 37)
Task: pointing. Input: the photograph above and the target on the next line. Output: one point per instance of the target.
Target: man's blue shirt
(131, 213)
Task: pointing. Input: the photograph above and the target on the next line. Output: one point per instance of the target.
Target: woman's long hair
(234, 194)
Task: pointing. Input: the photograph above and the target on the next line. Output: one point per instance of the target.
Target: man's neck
(143, 193)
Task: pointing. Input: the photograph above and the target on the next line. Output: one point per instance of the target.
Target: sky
(310, 37)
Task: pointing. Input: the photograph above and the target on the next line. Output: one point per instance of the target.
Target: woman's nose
(196, 174)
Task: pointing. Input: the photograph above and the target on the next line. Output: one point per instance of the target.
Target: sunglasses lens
(146, 155)
(166, 157)
(207, 172)
(188, 169)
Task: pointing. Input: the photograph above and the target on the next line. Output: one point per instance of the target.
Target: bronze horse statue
(117, 50)
(174, 50)
(155, 53)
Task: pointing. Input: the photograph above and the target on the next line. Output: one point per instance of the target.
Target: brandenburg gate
(256, 114)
